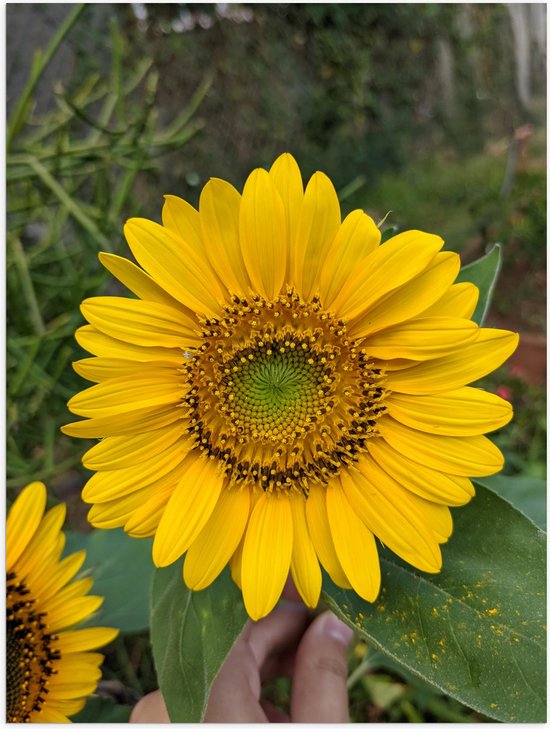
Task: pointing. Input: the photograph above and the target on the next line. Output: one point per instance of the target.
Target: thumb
(319, 685)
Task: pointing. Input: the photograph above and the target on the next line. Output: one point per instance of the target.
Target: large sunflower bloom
(50, 669)
(284, 389)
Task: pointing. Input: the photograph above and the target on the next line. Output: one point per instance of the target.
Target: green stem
(27, 287)
(71, 205)
(40, 63)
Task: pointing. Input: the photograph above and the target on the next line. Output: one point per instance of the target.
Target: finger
(236, 690)
(274, 715)
(151, 709)
(289, 590)
(274, 639)
(319, 687)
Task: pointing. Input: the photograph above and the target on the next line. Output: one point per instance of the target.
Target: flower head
(50, 669)
(284, 389)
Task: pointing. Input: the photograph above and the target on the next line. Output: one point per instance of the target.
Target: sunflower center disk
(29, 654)
(280, 395)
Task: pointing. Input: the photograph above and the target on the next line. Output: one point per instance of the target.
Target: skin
(285, 643)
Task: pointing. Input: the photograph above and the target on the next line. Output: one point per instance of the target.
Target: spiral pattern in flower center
(280, 395)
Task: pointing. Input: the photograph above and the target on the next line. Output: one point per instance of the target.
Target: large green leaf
(192, 633)
(476, 630)
(527, 494)
(483, 273)
(122, 569)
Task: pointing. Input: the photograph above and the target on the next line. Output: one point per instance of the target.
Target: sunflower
(284, 389)
(50, 669)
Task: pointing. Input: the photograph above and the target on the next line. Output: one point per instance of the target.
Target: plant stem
(41, 61)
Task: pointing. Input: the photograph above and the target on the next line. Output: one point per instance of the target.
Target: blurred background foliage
(434, 113)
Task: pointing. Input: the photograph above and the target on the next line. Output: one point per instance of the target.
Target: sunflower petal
(187, 512)
(287, 179)
(23, 520)
(145, 323)
(262, 227)
(472, 455)
(305, 569)
(354, 545)
(491, 348)
(319, 531)
(412, 298)
(390, 265)
(466, 411)
(219, 217)
(267, 553)
(318, 223)
(356, 238)
(218, 540)
(176, 264)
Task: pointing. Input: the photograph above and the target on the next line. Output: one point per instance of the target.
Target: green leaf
(102, 711)
(122, 569)
(527, 494)
(192, 633)
(483, 273)
(476, 630)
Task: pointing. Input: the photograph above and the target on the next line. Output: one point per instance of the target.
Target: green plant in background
(71, 173)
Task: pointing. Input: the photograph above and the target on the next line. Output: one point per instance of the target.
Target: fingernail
(336, 628)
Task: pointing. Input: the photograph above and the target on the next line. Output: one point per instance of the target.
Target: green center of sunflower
(280, 395)
(29, 653)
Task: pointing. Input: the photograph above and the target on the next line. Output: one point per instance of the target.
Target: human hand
(284, 643)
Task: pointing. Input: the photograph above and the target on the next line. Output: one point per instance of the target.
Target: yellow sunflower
(283, 389)
(50, 669)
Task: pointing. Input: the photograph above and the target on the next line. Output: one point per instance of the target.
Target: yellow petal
(412, 298)
(267, 553)
(287, 179)
(46, 715)
(319, 531)
(74, 612)
(433, 521)
(466, 411)
(145, 323)
(354, 545)
(145, 519)
(356, 238)
(99, 369)
(219, 218)
(107, 485)
(139, 282)
(442, 488)
(460, 300)
(48, 582)
(390, 265)
(124, 451)
(188, 510)
(491, 348)
(182, 219)
(421, 339)
(318, 223)
(123, 394)
(304, 566)
(85, 639)
(472, 455)
(23, 521)
(176, 264)
(262, 227)
(135, 421)
(43, 541)
(56, 602)
(235, 564)
(398, 527)
(95, 342)
(116, 512)
(218, 540)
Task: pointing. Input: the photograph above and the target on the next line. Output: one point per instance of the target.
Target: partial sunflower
(283, 389)
(49, 667)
